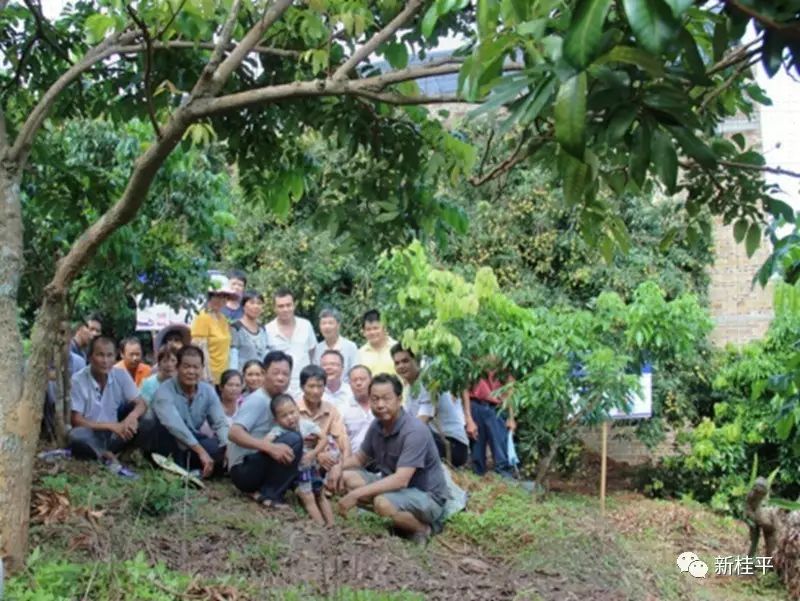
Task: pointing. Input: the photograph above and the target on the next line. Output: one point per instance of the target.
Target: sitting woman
(253, 372)
(230, 387)
(329, 420)
(167, 366)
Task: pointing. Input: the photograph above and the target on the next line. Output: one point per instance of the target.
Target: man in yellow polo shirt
(376, 353)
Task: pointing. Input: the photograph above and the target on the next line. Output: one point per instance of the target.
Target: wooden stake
(603, 471)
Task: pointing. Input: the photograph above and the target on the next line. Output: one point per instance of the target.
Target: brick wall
(741, 311)
(624, 447)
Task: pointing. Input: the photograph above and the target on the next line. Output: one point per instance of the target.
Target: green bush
(751, 429)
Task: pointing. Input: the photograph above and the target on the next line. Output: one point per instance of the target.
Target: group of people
(275, 409)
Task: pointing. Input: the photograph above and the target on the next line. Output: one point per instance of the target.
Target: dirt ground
(552, 550)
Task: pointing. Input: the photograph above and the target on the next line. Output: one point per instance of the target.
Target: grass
(534, 549)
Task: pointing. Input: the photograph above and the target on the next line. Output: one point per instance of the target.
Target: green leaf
(570, 115)
(693, 146)
(640, 153)
(652, 22)
(753, 239)
(679, 6)
(576, 177)
(488, 11)
(739, 230)
(778, 208)
(783, 427)
(692, 58)
(97, 26)
(772, 52)
(620, 123)
(635, 56)
(719, 41)
(665, 159)
(397, 54)
(583, 41)
(429, 20)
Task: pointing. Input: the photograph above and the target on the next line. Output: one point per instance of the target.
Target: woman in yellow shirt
(210, 331)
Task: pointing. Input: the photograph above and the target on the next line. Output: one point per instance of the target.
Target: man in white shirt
(444, 415)
(329, 321)
(357, 416)
(292, 335)
(337, 391)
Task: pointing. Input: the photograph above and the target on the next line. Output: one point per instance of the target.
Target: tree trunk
(15, 432)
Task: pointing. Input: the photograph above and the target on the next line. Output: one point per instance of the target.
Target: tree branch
(790, 30)
(724, 85)
(38, 17)
(379, 38)
(250, 41)
(737, 55)
(148, 65)
(19, 151)
(172, 18)
(512, 161)
(403, 100)
(185, 44)
(761, 168)
(125, 209)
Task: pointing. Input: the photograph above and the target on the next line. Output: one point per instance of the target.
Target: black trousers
(259, 472)
(162, 441)
(459, 452)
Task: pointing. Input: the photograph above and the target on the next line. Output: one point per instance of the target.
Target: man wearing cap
(211, 332)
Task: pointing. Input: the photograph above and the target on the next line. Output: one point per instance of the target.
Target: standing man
(376, 353)
(234, 308)
(337, 391)
(357, 416)
(491, 426)
(85, 331)
(292, 335)
(182, 405)
(264, 469)
(107, 410)
(329, 322)
(445, 417)
(131, 351)
(410, 487)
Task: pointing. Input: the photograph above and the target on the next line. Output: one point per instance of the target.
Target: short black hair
(278, 401)
(191, 349)
(370, 316)
(359, 366)
(281, 292)
(92, 317)
(101, 339)
(227, 375)
(173, 335)
(237, 274)
(165, 352)
(312, 372)
(276, 357)
(330, 312)
(398, 348)
(333, 351)
(250, 295)
(129, 340)
(250, 364)
(397, 386)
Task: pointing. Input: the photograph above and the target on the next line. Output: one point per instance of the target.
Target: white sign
(155, 317)
(641, 402)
